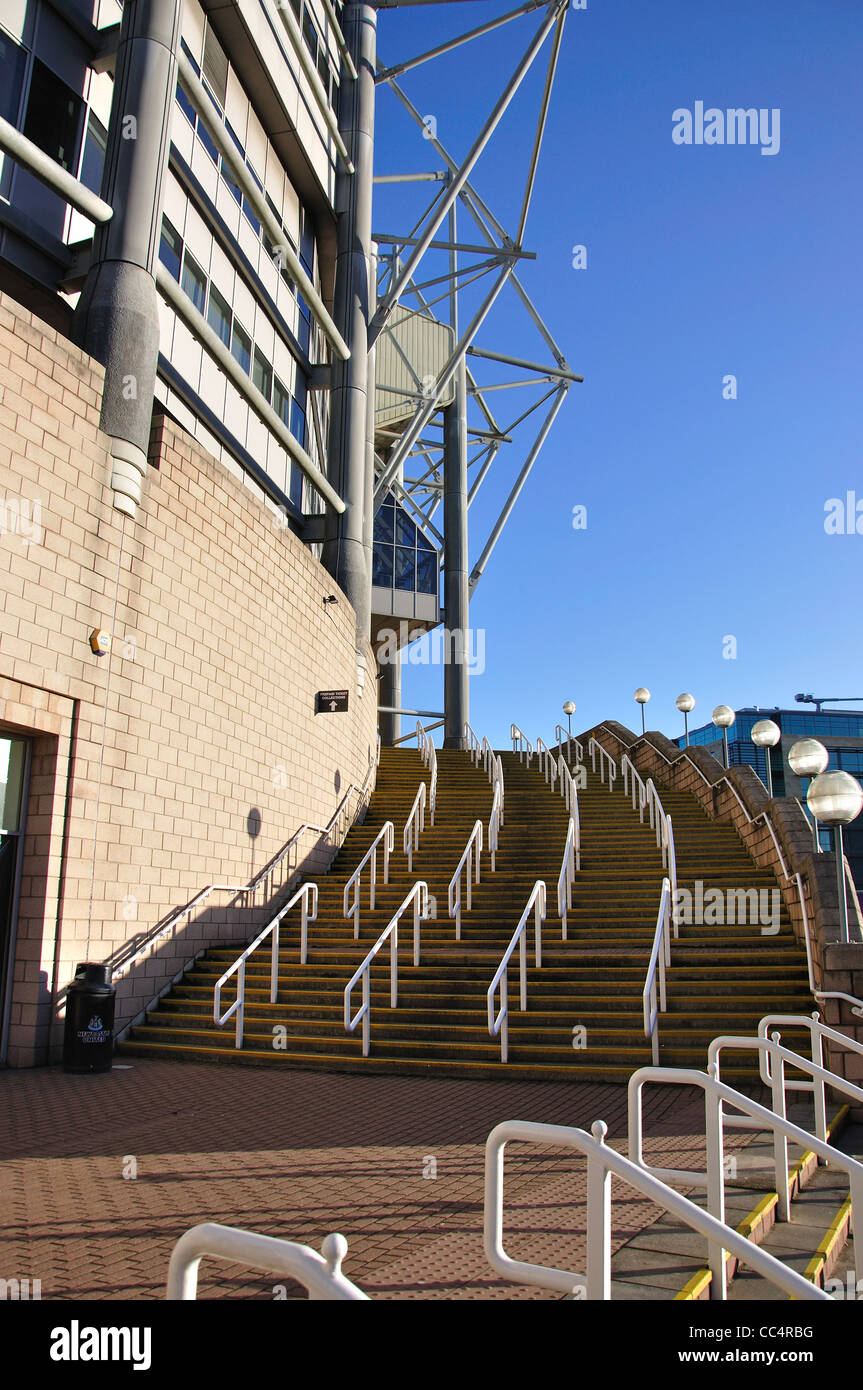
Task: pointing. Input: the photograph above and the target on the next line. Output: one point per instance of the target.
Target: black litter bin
(88, 1040)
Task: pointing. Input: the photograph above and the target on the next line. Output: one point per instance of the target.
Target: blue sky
(705, 516)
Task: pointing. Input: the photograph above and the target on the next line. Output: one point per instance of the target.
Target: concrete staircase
(584, 1016)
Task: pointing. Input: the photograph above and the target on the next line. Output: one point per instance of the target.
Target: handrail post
(537, 933)
(780, 1139)
(241, 1005)
(394, 967)
(714, 1139)
(598, 1220)
(367, 1010)
(274, 955)
(417, 929)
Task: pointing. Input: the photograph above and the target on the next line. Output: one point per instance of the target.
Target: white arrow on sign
(333, 705)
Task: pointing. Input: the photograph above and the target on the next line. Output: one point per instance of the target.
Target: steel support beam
(346, 552)
(456, 591)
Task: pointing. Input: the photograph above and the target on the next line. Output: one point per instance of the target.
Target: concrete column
(456, 591)
(346, 550)
(390, 688)
(117, 318)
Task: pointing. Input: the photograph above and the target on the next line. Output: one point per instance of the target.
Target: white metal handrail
(605, 761)
(818, 1031)
(321, 1275)
(498, 1024)
(562, 736)
(497, 780)
(521, 744)
(566, 878)
(414, 825)
(716, 1095)
(425, 744)
(470, 860)
(569, 792)
(495, 821)
(307, 896)
(386, 834)
(266, 877)
(660, 958)
(636, 785)
(473, 745)
(546, 762)
(602, 1162)
(419, 898)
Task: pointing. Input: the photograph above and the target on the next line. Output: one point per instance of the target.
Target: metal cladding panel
(411, 353)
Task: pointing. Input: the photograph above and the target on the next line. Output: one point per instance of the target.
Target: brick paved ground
(296, 1155)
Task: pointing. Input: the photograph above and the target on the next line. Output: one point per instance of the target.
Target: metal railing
(546, 762)
(716, 1093)
(818, 1031)
(521, 744)
(660, 959)
(470, 861)
(307, 896)
(495, 821)
(266, 879)
(387, 835)
(414, 825)
(321, 1275)
(426, 747)
(606, 761)
(564, 736)
(569, 792)
(566, 878)
(498, 1024)
(419, 898)
(472, 744)
(602, 1162)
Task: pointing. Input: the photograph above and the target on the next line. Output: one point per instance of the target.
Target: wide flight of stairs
(584, 1018)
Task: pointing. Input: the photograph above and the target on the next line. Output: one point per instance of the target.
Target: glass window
(194, 282)
(219, 316)
(307, 244)
(208, 142)
(282, 402)
(310, 35)
(262, 374)
(249, 214)
(406, 532)
(241, 347)
(186, 104)
(405, 567)
(426, 572)
(171, 248)
(423, 542)
(298, 423)
(384, 525)
(13, 61)
(188, 52)
(53, 120)
(297, 7)
(382, 566)
(296, 492)
(93, 160)
(229, 180)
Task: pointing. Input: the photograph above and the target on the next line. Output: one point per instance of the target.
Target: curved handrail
(639, 791)
(387, 834)
(546, 762)
(419, 896)
(569, 792)
(309, 891)
(818, 1031)
(521, 744)
(471, 851)
(566, 878)
(602, 1161)
(660, 957)
(498, 1024)
(414, 825)
(593, 748)
(320, 1274)
(495, 821)
(426, 747)
(564, 736)
(473, 745)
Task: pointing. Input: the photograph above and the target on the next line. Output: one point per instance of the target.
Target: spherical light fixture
(837, 798)
(766, 734)
(806, 758)
(723, 717)
(569, 711)
(641, 697)
(685, 703)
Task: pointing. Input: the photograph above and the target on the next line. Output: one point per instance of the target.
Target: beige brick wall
(221, 640)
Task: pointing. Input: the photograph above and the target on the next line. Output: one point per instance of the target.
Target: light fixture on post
(723, 717)
(569, 711)
(807, 758)
(641, 697)
(836, 798)
(766, 734)
(685, 703)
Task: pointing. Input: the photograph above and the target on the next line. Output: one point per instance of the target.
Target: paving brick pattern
(297, 1155)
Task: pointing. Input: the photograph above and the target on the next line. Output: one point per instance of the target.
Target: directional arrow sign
(331, 702)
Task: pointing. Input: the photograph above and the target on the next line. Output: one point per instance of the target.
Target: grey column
(456, 591)
(346, 550)
(117, 318)
(390, 688)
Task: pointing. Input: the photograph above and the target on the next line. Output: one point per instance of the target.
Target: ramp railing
(307, 897)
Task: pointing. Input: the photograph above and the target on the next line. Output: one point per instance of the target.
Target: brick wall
(220, 641)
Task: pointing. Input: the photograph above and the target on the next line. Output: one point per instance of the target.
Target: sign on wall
(331, 702)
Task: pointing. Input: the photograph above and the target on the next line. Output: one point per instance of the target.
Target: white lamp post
(569, 711)
(836, 798)
(766, 734)
(641, 697)
(723, 717)
(807, 758)
(685, 703)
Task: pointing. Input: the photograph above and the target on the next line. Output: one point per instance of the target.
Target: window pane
(219, 316)
(310, 36)
(194, 282)
(406, 532)
(426, 573)
(298, 423)
(250, 217)
(241, 347)
(405, 567)
(93, 161)
(188, 52)
(382, 566)
(186, 104)
(423, 543)
(296, 492)
(171, 248)
(384, 525)
(53, 118)
(262, 374)
(228, 177)
(208, 142)
(13, 61)
(282, 402)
